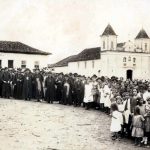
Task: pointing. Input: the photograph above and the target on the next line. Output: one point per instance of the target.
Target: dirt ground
(28, 125)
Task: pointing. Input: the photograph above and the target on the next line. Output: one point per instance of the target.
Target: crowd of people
(126, 101)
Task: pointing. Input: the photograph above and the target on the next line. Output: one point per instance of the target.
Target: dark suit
(18, 82)
(6, 78)
(50, 91)
(59, 89)
(27, 86)
(67, 93)
(38, 79)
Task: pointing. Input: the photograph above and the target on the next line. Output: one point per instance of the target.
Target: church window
(36, 64)
(145, 46)
(134, 60)
(85, 63)
(129, 59)
(103, 44)
(23, 64)
(124, 59)
(93, 64)
(112, 45)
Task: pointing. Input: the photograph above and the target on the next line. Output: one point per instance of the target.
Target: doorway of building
(129, 74)
(10, 63)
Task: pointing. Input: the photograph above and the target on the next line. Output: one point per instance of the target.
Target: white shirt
(146, 95)
(67, 86)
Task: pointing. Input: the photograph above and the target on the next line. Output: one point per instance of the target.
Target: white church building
(19, 55)
(127, 60)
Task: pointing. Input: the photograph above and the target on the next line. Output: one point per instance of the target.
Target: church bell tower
(108, 39)
(142, 41)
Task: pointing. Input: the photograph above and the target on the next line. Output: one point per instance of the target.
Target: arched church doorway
(129, 74)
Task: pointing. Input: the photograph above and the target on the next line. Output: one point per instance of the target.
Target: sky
(66, 27)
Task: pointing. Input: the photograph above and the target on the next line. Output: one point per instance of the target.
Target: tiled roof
(87, 54)
(18, 47)
(142, 34)
(109, 30)
(63, 62)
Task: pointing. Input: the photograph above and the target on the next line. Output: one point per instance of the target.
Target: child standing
(127, 114)
(116, 121)
(121, 105)
(141, 105)
(142, 108)
(137, 123)
(121, 108)
(147, 122)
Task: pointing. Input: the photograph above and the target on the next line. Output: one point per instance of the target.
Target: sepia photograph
(75, 75)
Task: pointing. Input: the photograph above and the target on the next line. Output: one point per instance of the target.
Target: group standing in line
(128, 102)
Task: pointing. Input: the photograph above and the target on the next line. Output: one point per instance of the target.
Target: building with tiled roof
(65, 61)
(18, 47)
(19, 55)
(87, 54)
(130, 60)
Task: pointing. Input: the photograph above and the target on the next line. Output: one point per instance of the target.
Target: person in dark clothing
(82, 89)
(50, 86)
(38, 79)
(6, 78)
(1, 81)
(134, 101)
(33, 86)
(67, 99)
(12, 74)
(77, 88)
(27, 85)
(59, 87)
(18, 85)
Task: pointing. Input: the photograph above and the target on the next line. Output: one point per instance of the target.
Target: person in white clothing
(107, 101)
(146, 94)
(88, 97)
(116, 121)
(101, 91)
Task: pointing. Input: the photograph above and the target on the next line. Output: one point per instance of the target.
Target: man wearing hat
(18, 85)
(77, 89)
(6, 78)
(50, 88)
(59, 84)
(27, 85)
(1, 82)
(38, 79)
(67, 91)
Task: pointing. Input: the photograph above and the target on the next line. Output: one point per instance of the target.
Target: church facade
(127, 60)
(19, 55)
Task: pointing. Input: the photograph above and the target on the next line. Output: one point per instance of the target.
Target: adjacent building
(19, 55)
